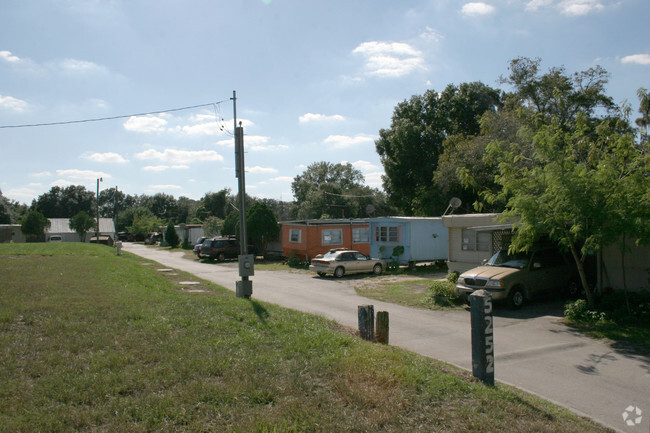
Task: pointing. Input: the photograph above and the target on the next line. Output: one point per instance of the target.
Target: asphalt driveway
(534, 351)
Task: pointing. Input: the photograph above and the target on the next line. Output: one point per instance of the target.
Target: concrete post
(482, 336)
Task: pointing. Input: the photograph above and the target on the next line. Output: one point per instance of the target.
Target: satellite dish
(370, 210)
(454, 203)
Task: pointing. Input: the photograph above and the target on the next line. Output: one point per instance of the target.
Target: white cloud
(155, 168)
(82, 174)
(108, 157)
(390, 59)
(313, 117)
(205, 128)
(79, 66)
(158, 188)
(373, 179)
(62, 183)
(431, 35)
(13, 104)
(159, 168)
(365, 165)
(580, 7)
(640, 59)
(145, 124)
(477, 9)
(21, 193)
(344, 141)
(180, 156)
(535, 5)
(261, 170)
(42, 174)
(7, 56)
(282, 179)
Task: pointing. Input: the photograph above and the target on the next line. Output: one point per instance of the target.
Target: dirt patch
(383, 280)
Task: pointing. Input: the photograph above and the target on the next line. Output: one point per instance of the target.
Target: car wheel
(339, 272)
(221, 257)
(516, 298)
(377, 269)
(573, 289)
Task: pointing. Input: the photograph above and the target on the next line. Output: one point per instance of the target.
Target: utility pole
(244, 287)
(97, 232)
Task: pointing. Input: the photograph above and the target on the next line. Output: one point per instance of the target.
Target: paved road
(533, 351)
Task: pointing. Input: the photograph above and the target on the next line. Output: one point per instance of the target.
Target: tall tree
(5, 210)
(33, 226)
(555, 96)
(410, 148)
(112, 201)
(643, 122)
(216, 203)
(171, 236)
(82, 223)
(583, 187)
(161, 205)
(262, 225)
(331, 190)
(65, 202)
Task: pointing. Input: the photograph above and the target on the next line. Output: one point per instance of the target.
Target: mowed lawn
(90, 341)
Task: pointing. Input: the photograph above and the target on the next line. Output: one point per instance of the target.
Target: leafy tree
(463, 171)
(584, 187)
(82, 223)
(231, 224)
(262, 226)
(556, 96)
(185, 209)
(65, 202)
(325, 189)
(216, 203)
(144, 222)
(410, 148)
(171, 237)
(112, 202)
(5, 210)
(33, 226)
(212, 226)
(161, 205)
(643, 122)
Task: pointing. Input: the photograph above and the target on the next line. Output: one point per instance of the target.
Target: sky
(314, 81)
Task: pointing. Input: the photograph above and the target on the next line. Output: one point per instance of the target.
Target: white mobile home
(424, 238)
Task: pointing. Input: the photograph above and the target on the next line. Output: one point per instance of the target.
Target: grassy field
(93, 342)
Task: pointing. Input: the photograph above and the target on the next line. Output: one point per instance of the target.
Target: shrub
(442, 293)
(452, 277)
(578, 311)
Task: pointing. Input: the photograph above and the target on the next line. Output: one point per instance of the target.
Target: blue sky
(315, 81)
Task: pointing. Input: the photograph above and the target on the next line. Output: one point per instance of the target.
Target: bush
(578, 311)
(614, 305)
(294, 261)
(442, 293)
(452, 277)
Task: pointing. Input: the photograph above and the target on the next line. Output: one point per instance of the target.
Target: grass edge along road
(90, 341)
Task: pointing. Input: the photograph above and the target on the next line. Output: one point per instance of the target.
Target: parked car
(519, 277)
(339, 262)
(197, 246)
(219, 249)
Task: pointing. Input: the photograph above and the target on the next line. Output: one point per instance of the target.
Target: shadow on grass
(259, 311)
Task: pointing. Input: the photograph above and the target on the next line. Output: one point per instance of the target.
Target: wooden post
(382, 327)
(367, 321)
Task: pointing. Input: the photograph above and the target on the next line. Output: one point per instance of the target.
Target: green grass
(90, 341)
(411, 293)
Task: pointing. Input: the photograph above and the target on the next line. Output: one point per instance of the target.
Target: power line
(69, 122)
(348, 195)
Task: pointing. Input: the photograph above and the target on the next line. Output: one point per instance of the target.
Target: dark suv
(219, 249)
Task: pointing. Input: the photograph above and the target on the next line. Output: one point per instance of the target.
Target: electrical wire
(99, 119)
(348, 195)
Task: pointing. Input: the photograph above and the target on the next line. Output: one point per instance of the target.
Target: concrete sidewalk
(534, 352)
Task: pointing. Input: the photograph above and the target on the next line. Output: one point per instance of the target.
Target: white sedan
(340, 262)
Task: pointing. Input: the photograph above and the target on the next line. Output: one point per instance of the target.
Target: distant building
(308, 238)
(11, 233)
(60, 230)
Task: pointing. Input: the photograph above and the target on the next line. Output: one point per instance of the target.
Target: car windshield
(505, 260)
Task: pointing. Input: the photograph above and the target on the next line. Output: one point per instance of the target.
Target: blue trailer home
(424, 239)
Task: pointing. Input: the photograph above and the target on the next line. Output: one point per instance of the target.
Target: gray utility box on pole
(482, 336)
